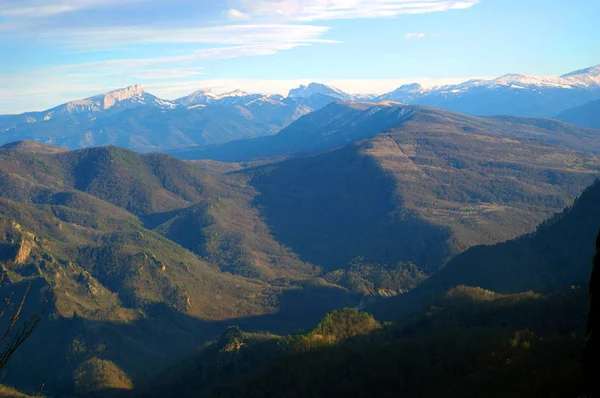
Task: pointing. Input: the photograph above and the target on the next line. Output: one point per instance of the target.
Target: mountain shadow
(334, 207)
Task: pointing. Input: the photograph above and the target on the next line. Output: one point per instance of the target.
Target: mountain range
(436, 220)
(135, 119)
(512, 94)
(340, 123)
(146, 245)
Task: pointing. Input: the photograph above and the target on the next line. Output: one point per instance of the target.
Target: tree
(345, 323)
(14, 331)
(592, 348)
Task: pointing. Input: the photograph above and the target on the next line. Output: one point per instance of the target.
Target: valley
(266, 214)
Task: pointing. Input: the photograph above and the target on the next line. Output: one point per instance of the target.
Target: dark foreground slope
(470, 342)
(459, 341)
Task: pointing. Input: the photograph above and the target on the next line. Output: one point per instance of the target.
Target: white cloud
(197, 55)
(236, 14)
(302, 10)
(35, 12)
(312, 10)
(97, 38)
(410, 36)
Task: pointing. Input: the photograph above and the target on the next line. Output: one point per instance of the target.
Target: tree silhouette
(591, 351)
(13, 330)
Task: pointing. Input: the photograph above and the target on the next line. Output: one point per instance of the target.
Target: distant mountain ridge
(134, 119)
(103, 105)
(340, 123)
(121, 117)
(135, 96)
(206, 96)
(584, 79)
(512, 94)
(584, 115)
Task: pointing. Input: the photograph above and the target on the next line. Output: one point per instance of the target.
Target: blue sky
(55, 51)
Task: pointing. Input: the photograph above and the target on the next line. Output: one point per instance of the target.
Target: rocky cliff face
(16, 244)
(119, 95)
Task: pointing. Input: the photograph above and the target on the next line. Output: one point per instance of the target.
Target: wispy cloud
(237, 14)
(97, 38)
(420, 35)
(313, 10)
(410, 36)
(130, 65)
(46, 8)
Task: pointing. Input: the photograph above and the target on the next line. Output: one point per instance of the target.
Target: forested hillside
(148, 247)
(452, 335)
(551, 259)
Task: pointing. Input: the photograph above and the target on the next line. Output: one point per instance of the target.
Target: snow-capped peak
(207, 92)
(235, 93)
(206, 96)
(592, 70)
(589, 77)
(203, 97)
(584, 78)
(519, 80)
(411, 88)
(318, 88)
(404, 93)
(237, 97)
